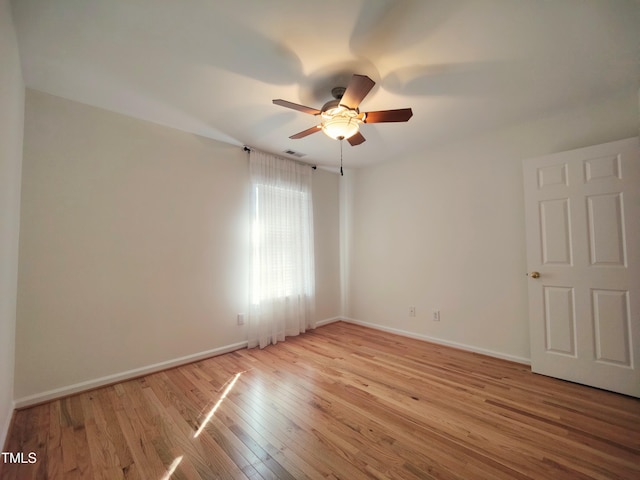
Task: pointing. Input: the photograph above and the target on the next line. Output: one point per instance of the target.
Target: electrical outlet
(412, 310)
(241, 319)
(436, 315)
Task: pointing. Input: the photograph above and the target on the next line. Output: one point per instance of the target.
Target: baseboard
(327, 321)
(439, 341)
(122, 376)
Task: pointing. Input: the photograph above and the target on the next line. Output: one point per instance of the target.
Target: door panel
(556, 232)
(583, 237)
(611, 326)
(606, 229)
(559, 320)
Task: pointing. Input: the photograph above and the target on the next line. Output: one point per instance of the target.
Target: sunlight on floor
(218, 403)
(172, 468)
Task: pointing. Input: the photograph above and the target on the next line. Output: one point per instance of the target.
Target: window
(281, 243)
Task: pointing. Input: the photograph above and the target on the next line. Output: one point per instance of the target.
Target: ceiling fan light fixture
(341, 127)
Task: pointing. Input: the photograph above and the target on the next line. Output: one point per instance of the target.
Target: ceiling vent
(295, 154)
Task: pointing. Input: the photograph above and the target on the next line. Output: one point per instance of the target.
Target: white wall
(133, 247)
(11, 130)
(445, 230)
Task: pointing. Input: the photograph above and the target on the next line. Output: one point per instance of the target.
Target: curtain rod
(248, 149)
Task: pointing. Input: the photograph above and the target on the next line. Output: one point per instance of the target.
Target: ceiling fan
(341, 118)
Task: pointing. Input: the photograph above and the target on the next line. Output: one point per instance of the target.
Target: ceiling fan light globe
(340, 126)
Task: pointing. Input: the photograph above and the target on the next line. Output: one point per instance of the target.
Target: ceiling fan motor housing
(338, 92)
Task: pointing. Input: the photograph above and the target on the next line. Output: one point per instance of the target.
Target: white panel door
(583, 239)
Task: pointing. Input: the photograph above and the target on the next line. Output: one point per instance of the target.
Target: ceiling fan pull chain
(341, 139)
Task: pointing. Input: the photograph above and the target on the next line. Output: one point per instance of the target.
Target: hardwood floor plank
(54, 443)
(342, 401)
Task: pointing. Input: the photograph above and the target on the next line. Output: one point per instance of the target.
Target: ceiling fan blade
(306, 132)
(399, 115)
(356, 139)
(295, 106)
(359, 87)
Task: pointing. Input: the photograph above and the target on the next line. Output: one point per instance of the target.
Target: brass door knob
(535, 274)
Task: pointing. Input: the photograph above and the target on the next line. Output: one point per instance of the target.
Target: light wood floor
(342, 402)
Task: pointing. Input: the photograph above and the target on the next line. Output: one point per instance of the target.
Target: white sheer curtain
(282, 288)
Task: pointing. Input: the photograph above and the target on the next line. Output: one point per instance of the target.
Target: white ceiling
(212, 67)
